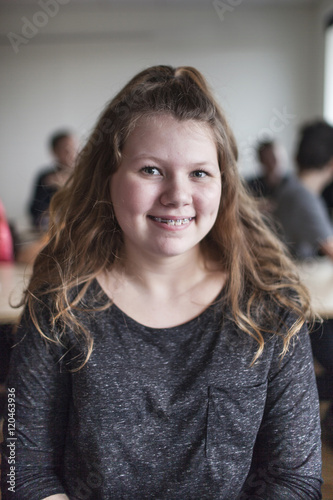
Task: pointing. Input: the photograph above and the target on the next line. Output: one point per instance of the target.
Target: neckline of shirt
(128, 320)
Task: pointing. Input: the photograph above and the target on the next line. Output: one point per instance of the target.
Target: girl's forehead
(169, 140)
(161, 124)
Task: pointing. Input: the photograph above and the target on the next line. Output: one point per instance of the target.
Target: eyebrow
(158, 160)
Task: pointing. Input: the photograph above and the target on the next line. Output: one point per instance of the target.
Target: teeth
(172, 222)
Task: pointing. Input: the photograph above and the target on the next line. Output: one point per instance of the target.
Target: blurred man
(273, 159)
(308, 230)
(63, 146)
(303, 216)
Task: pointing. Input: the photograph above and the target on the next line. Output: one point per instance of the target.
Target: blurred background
(62, 60)
(269, 62)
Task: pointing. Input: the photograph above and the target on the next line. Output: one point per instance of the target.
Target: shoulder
(35, 338)
(298, 347)
(43, 333)
(44, 173)
(291, 186)
(293, 193)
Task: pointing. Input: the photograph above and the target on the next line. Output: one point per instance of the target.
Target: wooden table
(13, 279)
(317, 275)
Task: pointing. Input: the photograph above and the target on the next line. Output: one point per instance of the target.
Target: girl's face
(167, 189)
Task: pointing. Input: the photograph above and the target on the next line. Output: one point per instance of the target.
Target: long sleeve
(287, 456)
(169, 416)
(38, 393)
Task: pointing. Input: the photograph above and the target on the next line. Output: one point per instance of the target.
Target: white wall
(259, 60)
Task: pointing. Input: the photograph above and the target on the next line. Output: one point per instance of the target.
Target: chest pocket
(233, 420)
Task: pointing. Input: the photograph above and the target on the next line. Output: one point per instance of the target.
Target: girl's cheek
(211, 194)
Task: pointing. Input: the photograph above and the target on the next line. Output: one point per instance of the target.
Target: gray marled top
(171, 413)
(303, 216)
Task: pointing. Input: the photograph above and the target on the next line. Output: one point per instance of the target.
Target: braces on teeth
(171, 222)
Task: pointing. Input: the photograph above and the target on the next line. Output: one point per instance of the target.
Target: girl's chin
(168, 251)
(161, 248)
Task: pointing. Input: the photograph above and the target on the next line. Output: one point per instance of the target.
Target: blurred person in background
(273, 160)
(273, 165)
(305, 223)
(307, 229)
(63, 146)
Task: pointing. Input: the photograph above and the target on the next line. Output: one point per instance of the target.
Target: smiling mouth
(172, 222)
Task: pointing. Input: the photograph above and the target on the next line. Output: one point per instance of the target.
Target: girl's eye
(150, 170)
(199, 174)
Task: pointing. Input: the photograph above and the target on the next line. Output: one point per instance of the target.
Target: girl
(163, 353)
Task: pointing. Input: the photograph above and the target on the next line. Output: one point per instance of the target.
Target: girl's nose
(176, 192)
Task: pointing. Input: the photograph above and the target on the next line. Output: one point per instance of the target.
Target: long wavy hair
(85, 239)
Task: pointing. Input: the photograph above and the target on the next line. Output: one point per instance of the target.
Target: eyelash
(200, 172)
(148, 167)
(147, 170)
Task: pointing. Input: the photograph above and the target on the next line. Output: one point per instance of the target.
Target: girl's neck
(163, 293)
(162, 276)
